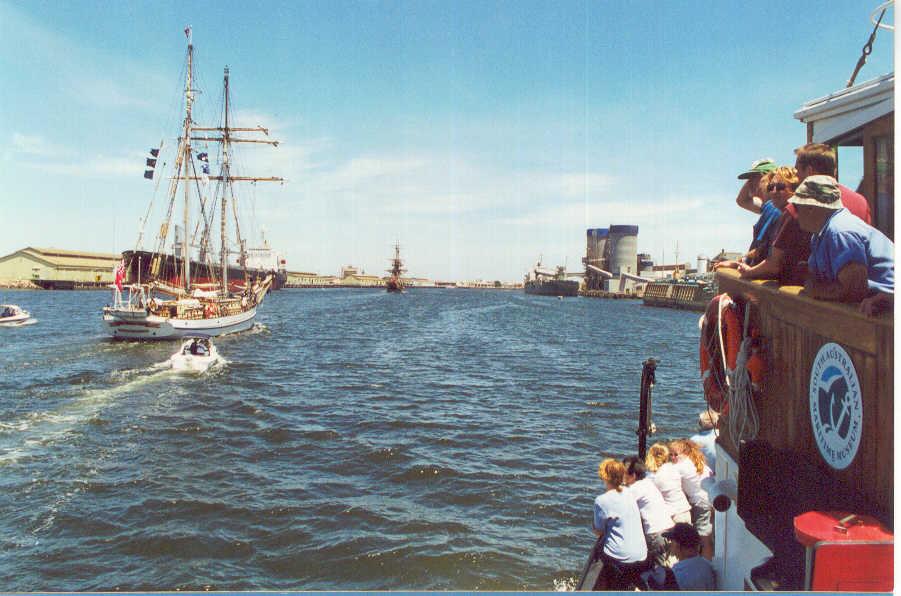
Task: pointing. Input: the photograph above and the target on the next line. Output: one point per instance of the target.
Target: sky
(479, 135)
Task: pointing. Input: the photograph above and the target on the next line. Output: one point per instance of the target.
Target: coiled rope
(742, 419)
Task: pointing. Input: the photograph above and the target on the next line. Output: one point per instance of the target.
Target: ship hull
(139, 263)
(125, 323)
(554, 287)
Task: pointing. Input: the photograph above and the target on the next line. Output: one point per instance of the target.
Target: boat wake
(567, 584)
(40, 430)
(255, 329)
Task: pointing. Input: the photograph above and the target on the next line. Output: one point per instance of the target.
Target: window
(850, 165)
(885, 185)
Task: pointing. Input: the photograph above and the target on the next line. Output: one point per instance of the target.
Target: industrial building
(611, 258)
(348, 277)
(57, 269)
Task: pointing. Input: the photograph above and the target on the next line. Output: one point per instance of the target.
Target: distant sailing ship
(394, 283)
(164, 296)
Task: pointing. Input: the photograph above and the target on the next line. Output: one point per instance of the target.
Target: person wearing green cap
(777, 186)
(749, 195)
(787, 261)
(849, 261)
(756, 178)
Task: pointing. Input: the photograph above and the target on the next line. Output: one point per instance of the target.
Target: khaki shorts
(700, 519)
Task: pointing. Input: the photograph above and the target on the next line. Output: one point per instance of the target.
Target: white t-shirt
(691, 481)
(655, 516)
(669, 481)
(616, 514)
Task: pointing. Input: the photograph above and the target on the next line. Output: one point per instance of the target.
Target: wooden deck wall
(794, 328)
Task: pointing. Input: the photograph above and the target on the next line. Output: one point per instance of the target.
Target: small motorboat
(196, 355)
(13, 316)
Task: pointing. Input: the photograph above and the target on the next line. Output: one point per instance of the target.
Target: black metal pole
(644, 413)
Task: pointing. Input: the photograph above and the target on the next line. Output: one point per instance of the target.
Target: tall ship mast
(394, 283)
(162, 295)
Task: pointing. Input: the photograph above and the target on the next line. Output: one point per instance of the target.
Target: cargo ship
(142, 265)
(544, 282)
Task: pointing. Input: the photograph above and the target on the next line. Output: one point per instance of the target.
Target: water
(440, 439)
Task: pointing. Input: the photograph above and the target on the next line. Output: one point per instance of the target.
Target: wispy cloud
(38, 153)
(36, 146)
(594, 213)
(96, 167)
(83, 74)
(101, 92)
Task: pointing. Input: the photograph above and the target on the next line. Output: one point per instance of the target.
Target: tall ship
(191, 290)
(394, 283)
(546, 282)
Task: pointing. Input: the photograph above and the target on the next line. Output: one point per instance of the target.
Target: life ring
(721, 331)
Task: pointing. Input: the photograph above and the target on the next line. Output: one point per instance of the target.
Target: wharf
(608, 295)
(18, 284)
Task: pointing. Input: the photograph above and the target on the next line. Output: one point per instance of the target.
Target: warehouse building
(57, 269)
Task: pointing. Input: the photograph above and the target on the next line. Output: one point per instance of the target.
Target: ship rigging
(167, 296)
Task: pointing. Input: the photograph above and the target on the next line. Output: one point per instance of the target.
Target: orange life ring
(720, 320)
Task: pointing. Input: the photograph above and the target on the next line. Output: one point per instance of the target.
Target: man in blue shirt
(849, 261)
(692, 572)
(749, 197)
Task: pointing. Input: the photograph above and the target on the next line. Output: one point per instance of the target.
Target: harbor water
(356, 440)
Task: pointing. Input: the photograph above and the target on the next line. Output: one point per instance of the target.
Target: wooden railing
(794, 328)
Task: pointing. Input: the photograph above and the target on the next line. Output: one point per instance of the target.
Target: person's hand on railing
(877, 304)
(726, 265)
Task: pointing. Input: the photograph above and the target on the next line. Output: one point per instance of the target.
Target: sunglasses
(779, 186)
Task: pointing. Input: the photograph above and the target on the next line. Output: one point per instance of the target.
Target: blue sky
(478, 134)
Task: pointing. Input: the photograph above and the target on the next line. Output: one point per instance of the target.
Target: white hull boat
(190, 359)
(12, 315)
(125, 323)
(138, 318)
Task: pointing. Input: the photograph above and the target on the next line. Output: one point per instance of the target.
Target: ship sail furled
(169, 295)
(394, 282)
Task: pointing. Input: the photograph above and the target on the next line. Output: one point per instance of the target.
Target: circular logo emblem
(836, 408)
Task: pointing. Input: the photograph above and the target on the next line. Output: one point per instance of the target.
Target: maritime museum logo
(836, 408)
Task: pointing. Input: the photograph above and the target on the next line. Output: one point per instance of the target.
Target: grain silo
(703, 264)
(597, 242)
(622, 250)
(595, 257)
